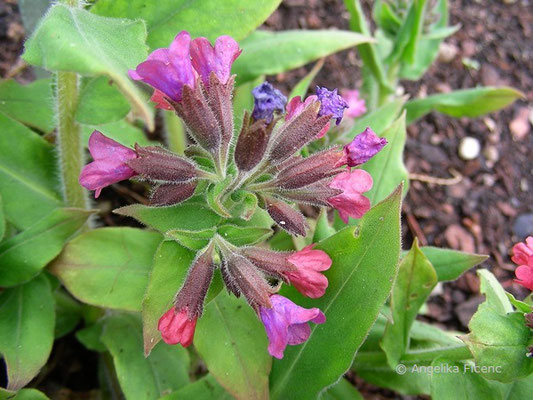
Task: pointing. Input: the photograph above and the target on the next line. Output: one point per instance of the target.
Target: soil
(488, 210)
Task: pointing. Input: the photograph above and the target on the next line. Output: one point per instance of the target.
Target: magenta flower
(267, 101)
(295, 108)
(351, 202)
(523, 257)
(362, 148)
(168, 70)
(176, 327)
(307, 278)
(217, 59)
(286, 323)
(356, 105)
(109, 165)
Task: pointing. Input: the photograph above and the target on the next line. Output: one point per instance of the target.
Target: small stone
(469, 148)
(520, 125)
(447, 52)
(458, 238)
(488, 180)
(524, 186)
(491, 153)
(523, 226)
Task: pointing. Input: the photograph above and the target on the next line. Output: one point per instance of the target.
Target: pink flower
(286, 323)
(176, 327)
(307, 278)
(362, 148)
(356, 105)
(109, 165)
(168, 70)
(295, 108)
(523, 257)
(351, 202)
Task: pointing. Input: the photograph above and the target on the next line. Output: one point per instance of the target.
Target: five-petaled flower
(176, 327)
(356, 105)
(307, 278)
(523, 257)
(286, 323)
(351, 202)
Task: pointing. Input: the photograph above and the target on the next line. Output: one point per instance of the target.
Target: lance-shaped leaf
(26, 329)
(456, 380)
(24, 394)
(17, 99)
(165, 370)
(171, 263)
(342, 390)
(416, 279)
(387, 167)
(210, 18)
(3, 224)
(28, 175)
(365, 260)
(233, 344)
(108, 267)
(23, 256)
(498, 336)
(190, 215)
(244, 235)
(463, 103)
(194, 240)
(269, 53)
(72, 39)
(451, 264)
(205, 388)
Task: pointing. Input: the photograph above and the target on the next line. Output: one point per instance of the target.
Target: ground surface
(489, 210)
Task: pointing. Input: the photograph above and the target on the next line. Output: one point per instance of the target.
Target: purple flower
(217, 59)
(267, 99)
(331, 103)
(168, 70)
(109, 165)
(362, 148)
(356, 105)
(286, 323)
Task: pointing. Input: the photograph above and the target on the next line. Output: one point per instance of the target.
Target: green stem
(176, 137)
(378, 358)
(71, 155)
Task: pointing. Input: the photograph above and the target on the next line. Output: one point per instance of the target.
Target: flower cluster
(193, 78)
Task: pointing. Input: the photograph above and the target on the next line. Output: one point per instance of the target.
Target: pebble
(447, 52)
(520, 125)
(523, 225)
(469, 148)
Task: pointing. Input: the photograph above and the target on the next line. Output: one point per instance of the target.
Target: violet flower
(109, 165)
(331, 103)
(286, 323)
(362, 148)
(351, 202)
(176, 327)
(523, 257)
(356, 105)
(267, 100)
(307, 277)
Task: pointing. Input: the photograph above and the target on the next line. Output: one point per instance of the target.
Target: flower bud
(167, 194)
(267, 100)
(286, 217)
(176, 327)
(251, 144)
(331, 103)
(271, 262)
(362, 148)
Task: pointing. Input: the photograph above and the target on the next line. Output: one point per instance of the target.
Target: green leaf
(342, 390)
(214, 197)
(463, 103)
(26, 329)
(242, 235)
(23, 256)
(205, 388)
(2, 220)
(451, 264)
(170, 267)
(352, 302)
(121, 131)
(410, 383)
(108, 267)
(453, 380)
(101, 102)
(90, 337)
(269, 53)
(519, 305)
(193, 240)
(323, 229)
(519, 390)
(68, 313)
(165, 370)
(187, 216)
(387, 167)
(210, 18)
(499, 338)
(72, 39)
(28, 176)
(301, 88)
(24, 394)
(16, 100)
(414, 283)
(233, 344)
(245, 206)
